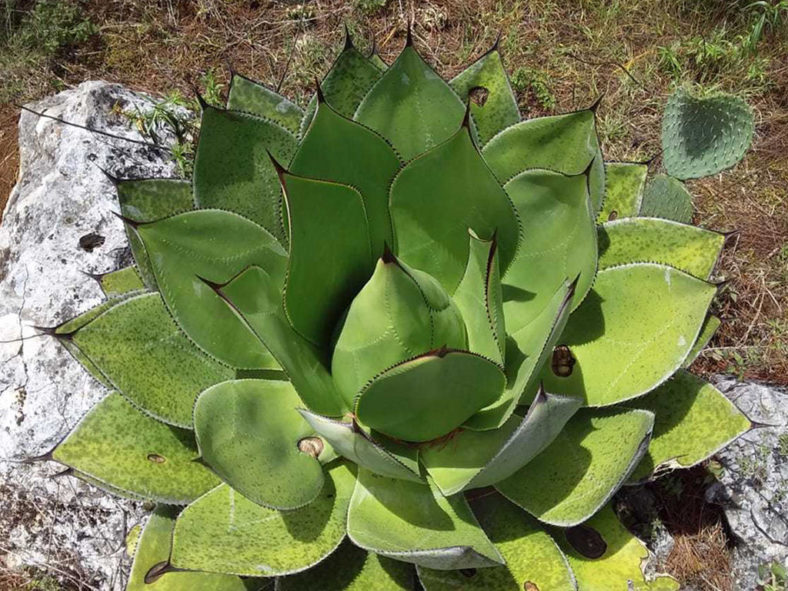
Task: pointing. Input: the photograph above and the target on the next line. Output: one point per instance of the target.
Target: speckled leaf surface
(710, 326)
(154, 548)
(693, 421)
(653, 240)
(414, 523)
(426, 397)
(533, 560)
(232, 169)
(121, 281)
(624, 182)
(582, 468)
(338, 149)
(248, 433)
(432, 233)
(163, 380)
(330, 256)
(224, 532)
(620, 567)
(257, 99)
(350, 568)
(668, 198)
(117, 444)
(256, 298)
(212, 245)
(493, 105)
(351, 442)
(633, 330)
(702, 136)
(411, 106)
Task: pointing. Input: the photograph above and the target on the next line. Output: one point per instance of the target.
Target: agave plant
(401, 335)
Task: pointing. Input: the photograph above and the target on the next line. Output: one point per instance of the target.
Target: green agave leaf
(154, 549)
(559, 243)
(232, 169)
(702, 136)
(400, 313)
(117, 444)
(486, 86)
(584, 466)
(121, 281)
(148, 200)
(620, 565)
(255, 98)
(428, 396)
(100, 484)
(224, 532)
(533, 560)
(631, 333)
(330, 256)
(414, 523)
(566, 144)
(668, 198)
(256, 299)
(694, 420)
(652, 240)
(710, 326)
(352, 569)
(248, 432)
(480, 301)
(350, 441)
(624, 182)
(343, 151)
(165, 380)
(213, 245)
(347, 83)
(432, 233)
(411, 106)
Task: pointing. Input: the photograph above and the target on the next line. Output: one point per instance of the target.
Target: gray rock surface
(61, 525)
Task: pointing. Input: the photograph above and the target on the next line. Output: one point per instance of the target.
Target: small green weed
(773, 576)
(536, 83)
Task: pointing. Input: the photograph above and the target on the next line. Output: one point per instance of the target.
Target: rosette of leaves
(398, 335)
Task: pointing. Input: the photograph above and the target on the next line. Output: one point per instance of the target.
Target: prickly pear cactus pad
(398, 335)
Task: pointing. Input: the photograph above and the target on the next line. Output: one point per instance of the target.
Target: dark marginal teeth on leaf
(613, 215)
(586, 541)
(311, 446)
(468, 572)
(563, 361)
(348, 38)
(479, 95)
(157, 571)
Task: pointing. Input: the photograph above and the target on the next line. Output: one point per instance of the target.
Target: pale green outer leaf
(414, 523)
(350, 441)
(531, 555)
(148, 200)
(480, 301)
(428, 396)
(624, 182)
(436, 197)
(256, 299)
(620, 568)
(121, 281)
(248, 432)
(411, 106)
(702, 136)
(668, 198)
(257, 99)
(499, 110)
(165, 380)
(154, 548)
(132, 539)
(653, 240)
(213, 245)
(224, 532)
(633, 330)
(338, 149)
(233, 170)
(350, 568)
(330, 256)
(583, 467)
(117, 444)
(693, 421)
(559, 243)
(710, 326)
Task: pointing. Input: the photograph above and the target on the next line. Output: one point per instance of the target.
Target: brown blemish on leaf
(563, 361)
(529, 586)
(311, 446)
(586, 540)
(156, 458)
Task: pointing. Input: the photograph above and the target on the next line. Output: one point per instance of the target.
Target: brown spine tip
(573, 286)
(541, 395)
(348, 39)
(388, 257)
(201, 100)
(280, 170)
(496, 46)
(595, 105)
(52, 331)
(97, 277)
(67, 472)
(157, 571)
(730, 236)
(466, 118)
(409, 39)
(128, 221)
(321, 98)
(110, 177)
